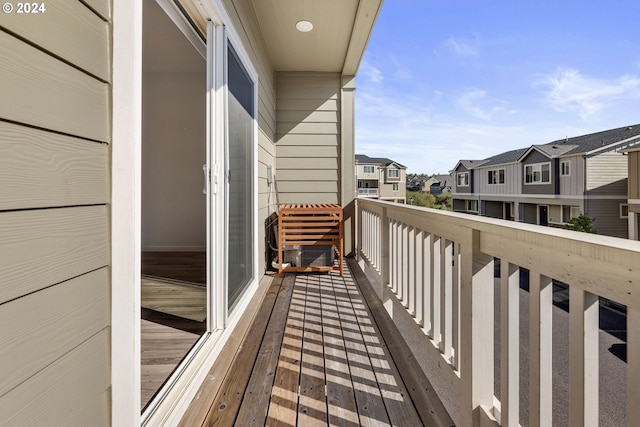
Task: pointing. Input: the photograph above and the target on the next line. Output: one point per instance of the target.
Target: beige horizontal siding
(308, 135)
(320, 94)
(39, 90)
(310, 197)
(317, 140)
(314, 186)
(71, 392)
(306, 117)
(607, 174)
(307, 128)
(307, 152)
(101, 7)
(46, 324)
(313, 104)
(301, 163)
(81, 36)
(41, 169)
(308, 175)
(40, 248)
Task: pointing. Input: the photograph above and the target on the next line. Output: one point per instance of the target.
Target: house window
(496, 176)
(624, 210)
(569, 212)
(394, 173)
(368, 169)
(463, 179)
(395, 187)
(565, 168)
(539, 173)
(472, 205)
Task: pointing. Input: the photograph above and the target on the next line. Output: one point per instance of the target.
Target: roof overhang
(341, 30)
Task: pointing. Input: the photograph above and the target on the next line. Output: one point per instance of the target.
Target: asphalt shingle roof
(362, 158)
(568, 146)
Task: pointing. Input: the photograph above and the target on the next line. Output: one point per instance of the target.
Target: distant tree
(443, 200)
(428, 200)
(582, 223)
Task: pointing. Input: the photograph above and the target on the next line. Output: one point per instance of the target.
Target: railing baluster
(427, 261)
(404, 265)
(419, 276)
(436, 286)
(445, 298)
(411, 291)
(510, 344)
(540, 353)
(476, 330)
(583, 357)
(633, 366)
(455, 312)
(385, 247)
(394, 255)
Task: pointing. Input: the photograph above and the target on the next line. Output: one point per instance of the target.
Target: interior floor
(167, 337)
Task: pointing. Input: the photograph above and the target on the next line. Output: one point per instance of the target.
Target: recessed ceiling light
(304, 26)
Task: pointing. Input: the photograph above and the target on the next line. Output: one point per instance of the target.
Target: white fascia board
(615, 146)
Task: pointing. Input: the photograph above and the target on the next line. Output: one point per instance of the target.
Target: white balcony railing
(368, 192)
(439, 268)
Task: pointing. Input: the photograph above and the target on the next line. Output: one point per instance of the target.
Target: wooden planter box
(310, 224)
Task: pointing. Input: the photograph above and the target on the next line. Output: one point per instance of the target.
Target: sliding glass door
(240, 177)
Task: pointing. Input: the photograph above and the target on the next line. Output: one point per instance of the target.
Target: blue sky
(444, 80)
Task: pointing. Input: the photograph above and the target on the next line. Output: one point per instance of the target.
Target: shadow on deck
(314, 355)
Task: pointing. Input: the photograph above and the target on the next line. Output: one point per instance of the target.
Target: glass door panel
(240, 128)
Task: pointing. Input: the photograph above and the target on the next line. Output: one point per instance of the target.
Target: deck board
(314, 356)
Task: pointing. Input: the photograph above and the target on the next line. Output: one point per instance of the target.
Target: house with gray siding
(380, 178)
(131, 126)
(551, 183)
(632, 208)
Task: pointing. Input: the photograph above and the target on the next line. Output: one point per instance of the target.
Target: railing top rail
(604, 265)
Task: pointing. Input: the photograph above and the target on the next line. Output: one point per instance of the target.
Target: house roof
(502, 158)
(469, 164)
(586, 144)
(583, 144)
(383, 161)
(443, 180)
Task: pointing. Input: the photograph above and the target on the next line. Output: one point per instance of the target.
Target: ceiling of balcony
(341, 29)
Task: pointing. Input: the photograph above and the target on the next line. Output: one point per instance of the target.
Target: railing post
(583, 354)
(476, 330)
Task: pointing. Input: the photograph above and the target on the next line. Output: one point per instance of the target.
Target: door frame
(126, 169)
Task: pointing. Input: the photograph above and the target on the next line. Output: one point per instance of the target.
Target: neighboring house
(380, 178)
(632, 208)
(93, 135)
(415, 183)
(551, 183)
(438, 184)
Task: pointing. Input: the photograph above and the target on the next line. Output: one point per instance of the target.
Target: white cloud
(477, 103)
(463, 47)
(568, 90)
(370, 72)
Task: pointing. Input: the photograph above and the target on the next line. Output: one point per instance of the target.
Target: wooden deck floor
(313, 356)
